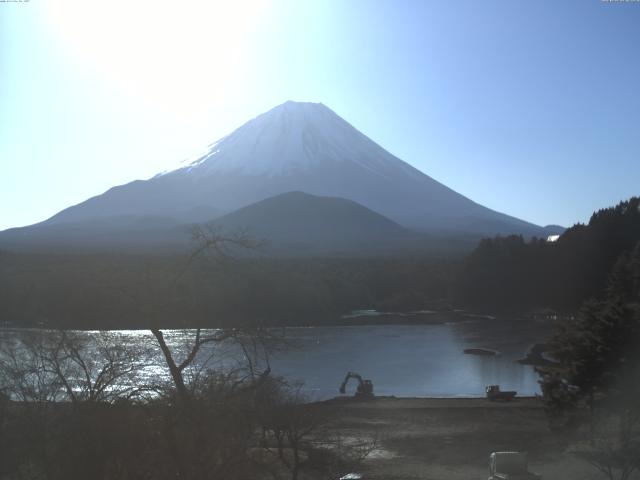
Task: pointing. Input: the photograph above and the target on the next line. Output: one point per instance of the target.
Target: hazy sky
(529, 107)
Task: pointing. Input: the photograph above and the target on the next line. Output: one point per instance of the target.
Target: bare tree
(292, 423)
(64, 386)
(49, 366)
(253, 345)
(209, 427)
(302, 437)
(219, 248)
(25, 368)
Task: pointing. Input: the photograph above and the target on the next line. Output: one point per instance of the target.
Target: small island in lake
(480, 351)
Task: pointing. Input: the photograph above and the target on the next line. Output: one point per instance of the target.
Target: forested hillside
(509, 273)
(134, 291)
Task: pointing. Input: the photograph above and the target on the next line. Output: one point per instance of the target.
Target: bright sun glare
(153, 49)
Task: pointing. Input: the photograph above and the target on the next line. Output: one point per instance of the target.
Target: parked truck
(494, 393)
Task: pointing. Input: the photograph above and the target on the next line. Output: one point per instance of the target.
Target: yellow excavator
(364, 389)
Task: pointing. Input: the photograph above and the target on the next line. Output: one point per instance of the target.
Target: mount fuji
(294, 147)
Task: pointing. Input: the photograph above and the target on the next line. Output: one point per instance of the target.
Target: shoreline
(422, 317)
(415, 437)
(384, 401)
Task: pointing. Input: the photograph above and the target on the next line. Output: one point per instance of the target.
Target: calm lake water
(413, 360)
(403, 360)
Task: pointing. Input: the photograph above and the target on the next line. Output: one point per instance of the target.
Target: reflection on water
(401, 360)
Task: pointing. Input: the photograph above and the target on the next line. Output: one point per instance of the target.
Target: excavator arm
(350, 375)
(365, 387)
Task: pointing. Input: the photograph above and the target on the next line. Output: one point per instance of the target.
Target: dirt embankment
(422, 438)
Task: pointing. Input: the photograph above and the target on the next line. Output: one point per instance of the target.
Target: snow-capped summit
(302, 147)
(292, 138)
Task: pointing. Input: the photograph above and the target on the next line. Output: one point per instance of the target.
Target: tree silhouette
(598, 371)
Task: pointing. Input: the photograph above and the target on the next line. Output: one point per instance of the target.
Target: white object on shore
(510, 465)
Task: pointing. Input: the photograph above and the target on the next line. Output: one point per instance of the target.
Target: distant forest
(503, 274)
(512, 274)
(133, 291)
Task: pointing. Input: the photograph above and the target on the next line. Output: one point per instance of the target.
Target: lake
(418, 360)
(413, 360)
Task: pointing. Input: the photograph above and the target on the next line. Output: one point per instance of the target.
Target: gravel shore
(451, 438)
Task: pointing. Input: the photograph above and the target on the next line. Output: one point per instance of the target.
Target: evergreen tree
(598, 371)
(509, 273)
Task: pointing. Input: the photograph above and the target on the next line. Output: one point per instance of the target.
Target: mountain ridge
(292, 224)
(297, 146)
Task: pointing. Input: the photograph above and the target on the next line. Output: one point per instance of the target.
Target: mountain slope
(290, 224)
(300, 147)
(124, 233)
(297, 220)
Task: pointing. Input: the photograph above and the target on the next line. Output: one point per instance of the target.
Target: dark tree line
(125, 291)
(592, 391)
(510, 273)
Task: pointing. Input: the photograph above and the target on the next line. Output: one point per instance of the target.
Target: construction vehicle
(494, 393)
(364, 389)
(511, 466)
